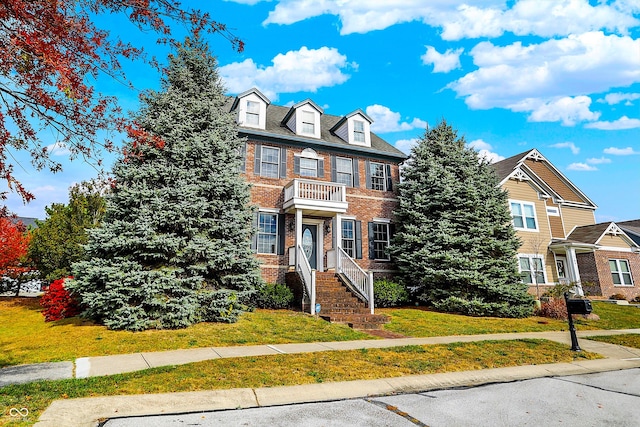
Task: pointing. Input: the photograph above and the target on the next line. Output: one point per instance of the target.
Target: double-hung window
(308, 167)
(377, 174)
(308, 122)
(358, 131)
(380, 240)
(620, 272)
(253, 113)
(349, 237)
(344, 171)
(531, 269)
(267, 233)
(269, 167)
(524, 216)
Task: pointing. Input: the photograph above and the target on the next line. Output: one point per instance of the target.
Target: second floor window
(344, 171)
(308, 167)
(524, 216)
(620, 272)
(308, 122)
(253, 113)
(377, 175)
(358, 131)
(270, 162)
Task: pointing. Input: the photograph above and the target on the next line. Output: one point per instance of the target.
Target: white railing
(308, 276)
(361, 281)
(315, 190)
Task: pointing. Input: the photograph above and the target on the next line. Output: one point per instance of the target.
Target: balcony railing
(307, 194)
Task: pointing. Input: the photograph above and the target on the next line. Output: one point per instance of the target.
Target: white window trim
(353, 239)
(351, 169)
(535, 216)
(533, 272)
(273, 213)
(316, 121)
(619, 272)
(382, 221)
(384, 176)
(262, 162)
(262, 112)
(351, 131)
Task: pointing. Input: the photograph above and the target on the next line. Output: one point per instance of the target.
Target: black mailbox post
(576, 306)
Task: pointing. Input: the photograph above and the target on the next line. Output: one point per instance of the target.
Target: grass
(627, 340)
(282, 370)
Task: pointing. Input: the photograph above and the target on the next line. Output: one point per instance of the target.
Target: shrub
(58, 303)
(389, 294)
(274, 296)
(558, 290)
(555, 308)
(618, 297)
(479, 308)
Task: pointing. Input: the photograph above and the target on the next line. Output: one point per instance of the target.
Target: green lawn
(627, 340)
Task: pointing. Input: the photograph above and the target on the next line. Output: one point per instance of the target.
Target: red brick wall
(364, 205)
(594, 267)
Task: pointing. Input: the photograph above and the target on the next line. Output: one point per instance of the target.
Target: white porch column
(298, 227)
(337, 235)
(574, 272)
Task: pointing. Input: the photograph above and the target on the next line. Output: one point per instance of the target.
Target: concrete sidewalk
(87, 411)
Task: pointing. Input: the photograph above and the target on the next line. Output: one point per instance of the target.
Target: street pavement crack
(397, 411)
(598, 388)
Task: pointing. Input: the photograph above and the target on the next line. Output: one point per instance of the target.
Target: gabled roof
(632, 228)
(275, 130)
(348, 116)
(293, 109)
(592, 234)
(248, 92)
(532, 165)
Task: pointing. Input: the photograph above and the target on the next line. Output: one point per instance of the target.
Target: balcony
(315, 197)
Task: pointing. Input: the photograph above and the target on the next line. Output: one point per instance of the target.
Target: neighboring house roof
(275, 129)
(632, 228)
(592, 234)
(28, 222)
(532, 165)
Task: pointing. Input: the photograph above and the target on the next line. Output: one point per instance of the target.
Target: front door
(310, 244)
(561, 265)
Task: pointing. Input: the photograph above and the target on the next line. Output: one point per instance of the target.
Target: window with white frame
(267, 233)
(378, 178)
(380, 240)
(620, 272)
(358, 131)
(531, 269)
(523, 215)
(270, 162)
(349, 237)
(253, 113)
(344, 171)
(308, 167)
(308, 122)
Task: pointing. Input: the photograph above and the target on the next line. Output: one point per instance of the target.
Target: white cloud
(385, 120)
(405, 145)
(58, 149)
(302, 70)
(581, 167)
(484, 18)
(516, 76)
(567, 110)
(629, 151)
(623, 122)
(599, 161)
(484, 150)
(617, 97)
(442, 62)
(569, 145)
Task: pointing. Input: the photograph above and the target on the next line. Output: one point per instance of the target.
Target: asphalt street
(602, 399)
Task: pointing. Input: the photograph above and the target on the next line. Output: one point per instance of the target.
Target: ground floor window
(349, 237)
(380, 240)
(531, 269)
(267, 233)
(620, 272)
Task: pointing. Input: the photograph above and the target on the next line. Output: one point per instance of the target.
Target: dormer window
(304, 119)
(253, 113)
(308, 122)
(358, 131)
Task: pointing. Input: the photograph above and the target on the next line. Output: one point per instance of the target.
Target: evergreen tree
(455, 246)
(174, 247)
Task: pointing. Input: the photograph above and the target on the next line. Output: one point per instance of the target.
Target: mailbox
(579, 306)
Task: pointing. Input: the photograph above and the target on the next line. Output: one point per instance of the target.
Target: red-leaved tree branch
(48, 51)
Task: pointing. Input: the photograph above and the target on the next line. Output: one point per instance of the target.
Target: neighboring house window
(267, 233)
(308, 122)
(308, 167)
(253, 113)
(270, 162)
(377, 176)
(620, 272)
(344, 171)
(524, 216)
(380, 240)
(349, 237)
(358, 131)
(531, 269)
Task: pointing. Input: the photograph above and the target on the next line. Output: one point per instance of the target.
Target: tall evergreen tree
(455, 246)
(174, 247)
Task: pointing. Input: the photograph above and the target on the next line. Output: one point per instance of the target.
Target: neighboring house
(325, 189)
(561, 242)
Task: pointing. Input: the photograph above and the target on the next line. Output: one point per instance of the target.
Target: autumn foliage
(50, 50)
(58, 303)
(14, 244)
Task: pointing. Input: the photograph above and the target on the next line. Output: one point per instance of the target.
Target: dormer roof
(343, 120)
(249, 92)
(295, 107)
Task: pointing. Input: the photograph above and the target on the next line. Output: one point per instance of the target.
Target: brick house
(561, 242)
(325, 190)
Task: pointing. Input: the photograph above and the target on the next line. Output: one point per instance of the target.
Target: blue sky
(559, 76)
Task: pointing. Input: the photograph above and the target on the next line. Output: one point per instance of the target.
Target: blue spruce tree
(174, 247)
(455, 246)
